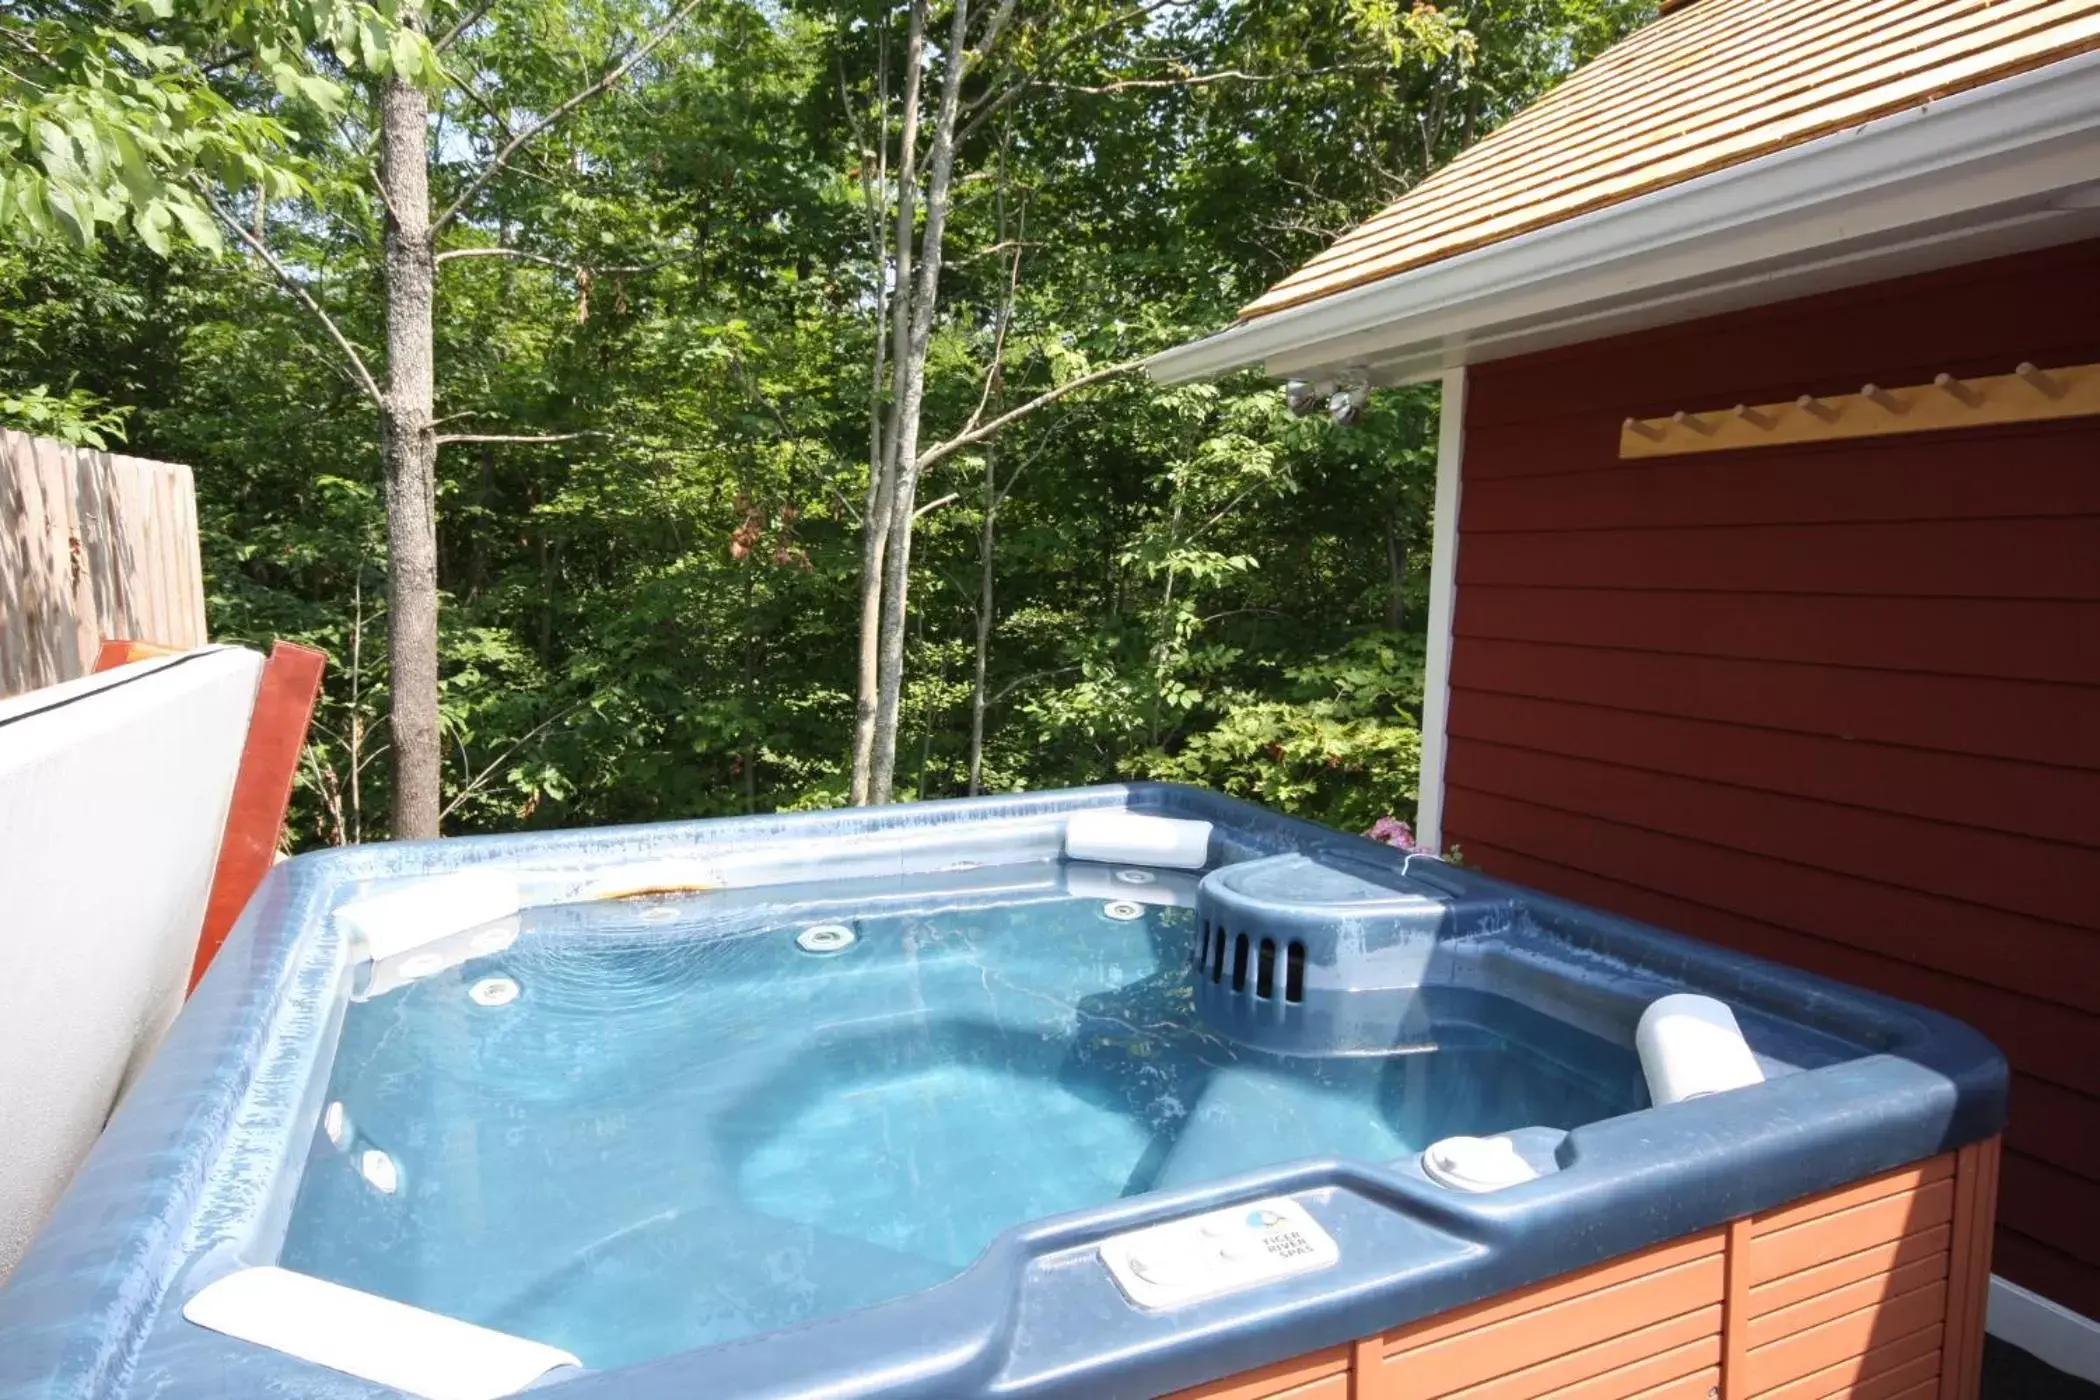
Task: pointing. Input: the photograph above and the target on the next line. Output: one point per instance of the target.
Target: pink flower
(1392, 832)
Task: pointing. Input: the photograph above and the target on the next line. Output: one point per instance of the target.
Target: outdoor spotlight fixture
(1346, 406)
(1303, 397)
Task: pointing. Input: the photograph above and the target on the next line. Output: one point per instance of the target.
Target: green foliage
(75, 416)
(658, 619)
(120, 117)
(1340, 744)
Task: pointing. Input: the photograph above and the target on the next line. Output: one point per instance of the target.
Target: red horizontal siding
(1888, 920)
(2035, 557)
(1989, 794)
(2046, 1270)
(1977, 874)
(2051, 1204)
(1991, 638)
(1835, 704)
(2048, 1041)
(1922, 477)
(2025, 720)
(2057, 1125)
(1979, 319)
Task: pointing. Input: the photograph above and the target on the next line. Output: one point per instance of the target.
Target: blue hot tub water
(685, 1129)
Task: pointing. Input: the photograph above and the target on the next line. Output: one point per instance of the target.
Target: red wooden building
(1766, 589)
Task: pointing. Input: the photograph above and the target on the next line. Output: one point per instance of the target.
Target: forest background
(675, 257)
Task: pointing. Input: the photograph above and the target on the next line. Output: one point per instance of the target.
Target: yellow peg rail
(2026, 395)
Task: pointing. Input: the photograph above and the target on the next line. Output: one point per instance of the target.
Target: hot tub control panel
(1203, 1256)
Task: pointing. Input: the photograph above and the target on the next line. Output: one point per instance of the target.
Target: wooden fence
(92, 546)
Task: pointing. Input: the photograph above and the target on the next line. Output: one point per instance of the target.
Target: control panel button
(1224, 1251)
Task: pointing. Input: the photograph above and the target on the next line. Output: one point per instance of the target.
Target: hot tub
(905, 1102)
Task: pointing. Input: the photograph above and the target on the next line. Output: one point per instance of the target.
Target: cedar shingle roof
(1707, 86)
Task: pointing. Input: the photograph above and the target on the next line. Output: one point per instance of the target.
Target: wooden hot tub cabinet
(1874, 1291)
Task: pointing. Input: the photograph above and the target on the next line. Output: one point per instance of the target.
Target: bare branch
(386, 196)
(561, 264)
(519, 437)
(358, 372)
(1223, 75)
(461, 25)
(1023, 680)
(992, 31)
(562, 110)
(932, 506)
(995, 373)
(480, 780)
(996, 99)
(1013, 478)
(1043, 400)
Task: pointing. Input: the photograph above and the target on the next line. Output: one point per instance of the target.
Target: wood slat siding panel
(1580, 1284)
(1283, 1378)
(1831, 705)
(1904, 1181)
(1656, 1365)
(1891, 1369)
(1984, 794)
(92, 546)
(1682, 1319)
(1823, 1307)
(1804, 1353)
(1703, 88)
(1701, 1385)
(1816, 1278)
(1635, 1361)
(1826, 1239)
(1558, 1338)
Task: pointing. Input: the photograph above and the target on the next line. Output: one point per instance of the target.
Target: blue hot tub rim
(195, 1174)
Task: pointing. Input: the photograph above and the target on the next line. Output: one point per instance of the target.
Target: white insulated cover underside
(372, 1338)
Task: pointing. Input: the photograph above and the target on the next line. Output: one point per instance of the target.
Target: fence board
(93, 545)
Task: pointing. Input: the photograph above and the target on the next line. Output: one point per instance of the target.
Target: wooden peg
(1642, 428)
(1958, 389)
(1692, 421)
(1810, 404)
(2040, 379)
(1881, 398)
(1754, 417)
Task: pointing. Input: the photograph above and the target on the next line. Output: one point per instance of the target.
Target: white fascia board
(2067, 1340)
(1995, 169)
(1443, 606)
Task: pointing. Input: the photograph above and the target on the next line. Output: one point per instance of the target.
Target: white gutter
(1999, 168)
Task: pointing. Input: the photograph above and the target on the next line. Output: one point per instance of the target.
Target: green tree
(654, 349)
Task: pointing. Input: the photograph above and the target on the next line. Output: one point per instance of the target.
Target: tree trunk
(904, 420)
(986, 539)
(411, 462)
(1396, 567)
(882, 428)
(1164, 651)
